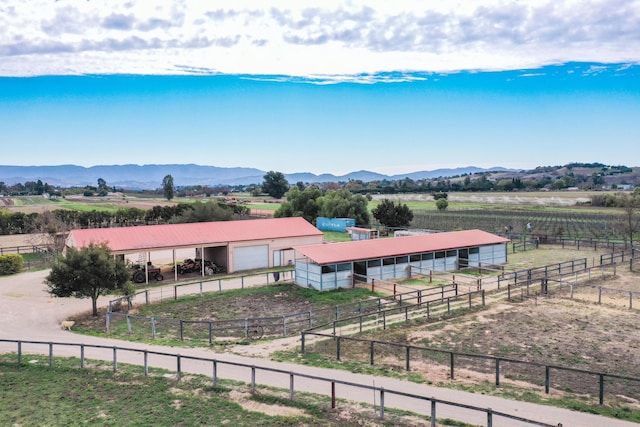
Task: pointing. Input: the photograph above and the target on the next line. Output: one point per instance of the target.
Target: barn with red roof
(338, 265)
(233, 245)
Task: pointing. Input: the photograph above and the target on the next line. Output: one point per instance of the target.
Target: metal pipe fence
(253, 327)
(431, 403)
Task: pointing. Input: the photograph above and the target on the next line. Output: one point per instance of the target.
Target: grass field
(67, 395)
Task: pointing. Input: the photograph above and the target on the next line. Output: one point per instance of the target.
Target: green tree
(391, 215)
(302, 203)
(442, 204)
(204, 212)
(275, 184)
(343, 204)
(167, 187)
(87, 273)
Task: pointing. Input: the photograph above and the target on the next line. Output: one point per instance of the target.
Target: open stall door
(250, 257)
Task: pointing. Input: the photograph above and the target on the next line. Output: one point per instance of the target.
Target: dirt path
(28, 313)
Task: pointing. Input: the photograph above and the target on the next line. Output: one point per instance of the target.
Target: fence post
(153, 327)
(175, 292)
(338, 349)
(408, 358)
(290, 385)
(284, 326)
(489, 417)
(302, 342)
(82, 355)
(50, 354)
(310, 321)
(497, 372)
(451, 366)
(371, 353)
(128, 323)
(181, 330)
(333, 395)
(19, 352)
(433, 412)
(601, 393)
(599, 294)
(115, 359)
(630, 300)
(483, 298)
(253, 376)
(381, 403)
(108, 320)
(546, 380)
(146, 296)
(179, 367)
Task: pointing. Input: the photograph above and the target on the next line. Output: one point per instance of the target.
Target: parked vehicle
(195, 266)
(153, 272)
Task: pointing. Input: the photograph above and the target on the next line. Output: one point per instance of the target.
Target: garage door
(250, 257)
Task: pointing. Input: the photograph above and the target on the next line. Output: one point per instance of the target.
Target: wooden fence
(408, 353)
(216, 366)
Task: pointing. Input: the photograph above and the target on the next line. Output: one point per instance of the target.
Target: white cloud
(311, 38)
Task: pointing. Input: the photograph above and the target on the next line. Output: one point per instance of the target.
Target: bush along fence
(431, 404)
(255, 327)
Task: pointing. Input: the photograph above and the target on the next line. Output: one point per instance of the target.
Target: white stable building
(339, 265)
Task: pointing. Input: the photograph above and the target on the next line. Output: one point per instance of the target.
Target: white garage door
(251, 257)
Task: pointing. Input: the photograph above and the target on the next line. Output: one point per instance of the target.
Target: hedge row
(10, 264)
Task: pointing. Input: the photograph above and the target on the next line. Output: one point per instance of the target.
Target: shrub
(10, 264)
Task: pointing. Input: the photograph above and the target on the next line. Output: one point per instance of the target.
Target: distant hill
(147, 177)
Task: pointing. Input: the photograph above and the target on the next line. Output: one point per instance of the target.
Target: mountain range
(149, 177)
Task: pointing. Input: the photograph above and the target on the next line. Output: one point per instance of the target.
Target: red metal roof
(169, 236)
(396, 246)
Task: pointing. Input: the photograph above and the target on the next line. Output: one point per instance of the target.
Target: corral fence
(255, 327)
(396, 355)
(431, 404)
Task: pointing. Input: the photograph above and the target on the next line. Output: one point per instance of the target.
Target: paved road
(28, 313)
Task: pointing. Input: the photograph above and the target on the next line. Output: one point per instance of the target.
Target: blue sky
(322, 87)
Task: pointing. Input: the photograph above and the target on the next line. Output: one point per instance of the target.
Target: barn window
(331, 268)
(474, 250)
(345, 266)
(388, 261)
(452, 253)
(402, 259)
(374, 263)
(414, 258)
(439, 255)
(427, 256)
